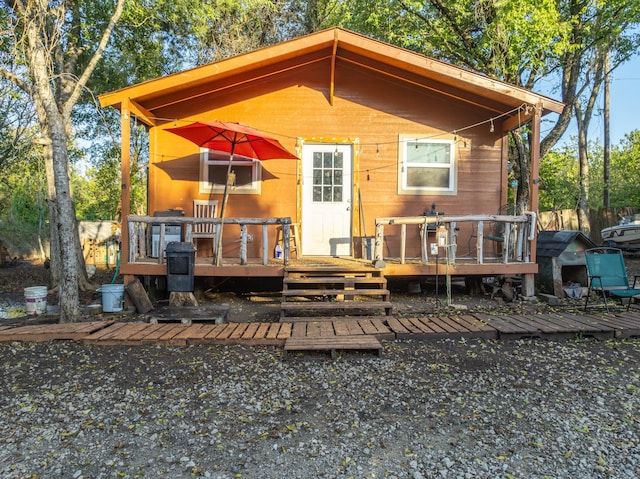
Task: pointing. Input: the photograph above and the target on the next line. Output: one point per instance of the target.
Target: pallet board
(333, 344)
(216, 313)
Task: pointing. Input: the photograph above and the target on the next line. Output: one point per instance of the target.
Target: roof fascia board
(335, 40)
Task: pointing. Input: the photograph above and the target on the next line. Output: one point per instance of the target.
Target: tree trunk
(52, 77)
(583, 203)
(64, 228)
(523, 158)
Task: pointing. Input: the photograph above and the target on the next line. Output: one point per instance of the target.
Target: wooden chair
(205, 209)
(608, 275)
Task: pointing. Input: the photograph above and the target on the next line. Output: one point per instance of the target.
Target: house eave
(334, 44)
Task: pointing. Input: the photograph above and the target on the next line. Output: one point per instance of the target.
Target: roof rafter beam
(524, 116)
(332, 81)
(141, 113)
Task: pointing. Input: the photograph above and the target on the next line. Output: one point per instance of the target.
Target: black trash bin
(180, 259)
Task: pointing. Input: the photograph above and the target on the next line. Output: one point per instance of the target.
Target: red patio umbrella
(232, 138)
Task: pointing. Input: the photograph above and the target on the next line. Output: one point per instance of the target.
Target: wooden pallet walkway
(50, 332)
(559, 325)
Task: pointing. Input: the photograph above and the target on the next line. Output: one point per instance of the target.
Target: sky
(624, 106)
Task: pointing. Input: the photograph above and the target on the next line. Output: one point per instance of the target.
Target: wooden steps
(350, 290)
(333, 344)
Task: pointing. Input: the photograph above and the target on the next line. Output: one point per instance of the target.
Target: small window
(426, 166)
(327, 176)
(246, 173)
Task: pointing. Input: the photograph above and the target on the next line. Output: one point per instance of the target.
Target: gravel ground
(449, 409)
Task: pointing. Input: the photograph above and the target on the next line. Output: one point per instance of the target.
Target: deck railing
(510, 235)
(140, 228)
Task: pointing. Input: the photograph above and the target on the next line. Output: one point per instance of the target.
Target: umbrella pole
(218, 252)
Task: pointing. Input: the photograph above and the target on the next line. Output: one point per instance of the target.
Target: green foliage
(23, 210)
(509, 40)
(625, 172)
(97, 190)
(559, 171)
(559, 187)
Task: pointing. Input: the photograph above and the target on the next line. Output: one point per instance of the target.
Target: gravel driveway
(470, 409)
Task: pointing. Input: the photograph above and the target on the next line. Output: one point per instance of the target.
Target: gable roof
(553, 243)
(335, 46)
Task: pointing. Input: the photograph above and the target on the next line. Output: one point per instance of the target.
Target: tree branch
(88, 71)
(16, 80)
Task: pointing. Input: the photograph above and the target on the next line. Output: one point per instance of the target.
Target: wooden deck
(546, 326)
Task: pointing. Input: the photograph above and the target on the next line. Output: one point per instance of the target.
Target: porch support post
(125, 168)
(528, 280)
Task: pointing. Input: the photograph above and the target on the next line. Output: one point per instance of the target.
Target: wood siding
(366, 105)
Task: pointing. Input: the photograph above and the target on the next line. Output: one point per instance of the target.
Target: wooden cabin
(402, 163)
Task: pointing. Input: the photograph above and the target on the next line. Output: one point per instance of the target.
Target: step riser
(341, 286)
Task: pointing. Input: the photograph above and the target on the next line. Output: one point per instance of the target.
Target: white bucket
(36, 299)
(112, 297)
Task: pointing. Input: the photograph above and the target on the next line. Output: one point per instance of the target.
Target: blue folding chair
(608, 275)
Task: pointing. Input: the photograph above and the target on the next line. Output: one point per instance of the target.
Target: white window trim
(208, 157)
(403, 145)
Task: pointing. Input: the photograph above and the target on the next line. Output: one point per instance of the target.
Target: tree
(625, 171)
(602, 32)
(53, 49)
(524, 43)
(513, 41)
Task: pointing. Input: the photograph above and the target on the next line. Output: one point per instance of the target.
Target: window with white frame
(426, 166)
(246, 173)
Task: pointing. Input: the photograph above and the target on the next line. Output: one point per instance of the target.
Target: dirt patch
(259, 300)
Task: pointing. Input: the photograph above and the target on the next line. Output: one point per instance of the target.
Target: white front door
(326, 200)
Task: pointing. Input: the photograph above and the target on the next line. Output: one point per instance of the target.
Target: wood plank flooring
(549, 326)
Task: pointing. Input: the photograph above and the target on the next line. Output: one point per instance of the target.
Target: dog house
(561, 260)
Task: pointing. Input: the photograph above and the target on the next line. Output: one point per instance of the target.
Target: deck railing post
(265, 245)
(132, 241)
(286, 240)
(506, 242)
(161, 244)
(480, 242)
(378, 253)
(403, 243)
(453, 242)
(243, 244)
(424, 238)
(217, 254)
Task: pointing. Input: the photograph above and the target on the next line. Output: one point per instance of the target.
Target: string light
(524, 108)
